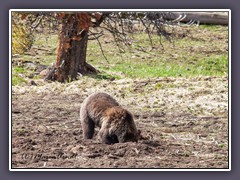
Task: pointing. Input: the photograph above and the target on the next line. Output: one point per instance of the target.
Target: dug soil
(183, 123)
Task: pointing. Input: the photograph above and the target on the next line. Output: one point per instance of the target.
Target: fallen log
(214, 18)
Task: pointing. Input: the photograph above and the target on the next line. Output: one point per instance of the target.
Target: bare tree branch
(100, 45)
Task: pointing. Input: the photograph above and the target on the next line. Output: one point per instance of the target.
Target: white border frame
(123, 10)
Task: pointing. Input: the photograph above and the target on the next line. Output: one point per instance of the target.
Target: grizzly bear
(116, 123)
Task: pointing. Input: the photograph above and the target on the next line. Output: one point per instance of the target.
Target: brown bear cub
(116, 123)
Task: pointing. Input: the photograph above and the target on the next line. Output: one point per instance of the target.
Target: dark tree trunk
(72, 48)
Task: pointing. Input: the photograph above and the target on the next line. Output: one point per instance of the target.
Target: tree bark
(72, 48)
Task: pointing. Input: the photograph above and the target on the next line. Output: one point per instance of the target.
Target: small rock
(33, 83)
(44, 72)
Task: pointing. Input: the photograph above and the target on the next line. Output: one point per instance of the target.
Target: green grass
(215, 65)
(17, 79)
(203, 52)
(197, 55)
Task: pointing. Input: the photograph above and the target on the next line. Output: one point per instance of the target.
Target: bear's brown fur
(116, 123)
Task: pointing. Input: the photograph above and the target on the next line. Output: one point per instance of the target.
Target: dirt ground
(183, 123)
